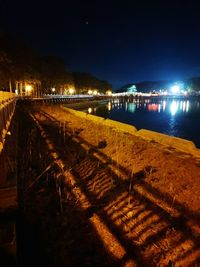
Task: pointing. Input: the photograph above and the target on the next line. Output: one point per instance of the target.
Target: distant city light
(175, 89)
(95, 92)
(109, 93)
(89, 92)
(132, 89)
(53, 89)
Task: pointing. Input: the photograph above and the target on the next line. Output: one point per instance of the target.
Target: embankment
(179, 144)
(136, 186)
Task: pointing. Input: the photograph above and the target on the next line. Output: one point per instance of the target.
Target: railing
(65, 98)
(68, 96)
(7, 108)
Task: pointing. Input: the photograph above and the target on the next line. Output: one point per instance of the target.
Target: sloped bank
(163, 139)
(147, 194)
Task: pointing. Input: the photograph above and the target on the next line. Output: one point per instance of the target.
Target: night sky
(120, 41)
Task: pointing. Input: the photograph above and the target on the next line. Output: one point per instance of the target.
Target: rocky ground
(94, 196)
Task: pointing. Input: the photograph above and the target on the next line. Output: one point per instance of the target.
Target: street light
(28, 88)
(71, 91)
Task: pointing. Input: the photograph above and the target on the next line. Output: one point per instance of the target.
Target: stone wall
(179, 144)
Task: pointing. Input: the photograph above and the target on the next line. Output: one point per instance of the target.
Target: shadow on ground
(88, 215)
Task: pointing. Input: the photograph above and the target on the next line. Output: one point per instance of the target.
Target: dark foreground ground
(91, 196)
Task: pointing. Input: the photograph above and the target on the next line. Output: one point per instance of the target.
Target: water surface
(174, 117)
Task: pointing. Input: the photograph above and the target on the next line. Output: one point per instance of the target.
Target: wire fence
(7, 108)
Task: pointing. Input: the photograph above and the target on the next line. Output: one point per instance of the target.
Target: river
(176, 117)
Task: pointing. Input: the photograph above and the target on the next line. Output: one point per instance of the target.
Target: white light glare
(89, 110)
(175, 89)
(174, 108)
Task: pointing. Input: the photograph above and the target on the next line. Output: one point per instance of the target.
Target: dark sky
(120, 41)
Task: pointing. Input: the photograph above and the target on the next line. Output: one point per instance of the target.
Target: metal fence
(7, 108)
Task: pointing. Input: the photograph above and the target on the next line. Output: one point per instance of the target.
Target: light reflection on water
(174, 117)
(172, 107)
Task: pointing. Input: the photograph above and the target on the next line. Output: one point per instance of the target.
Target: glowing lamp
(71, 90)
(53, 89)
(109, 106)
(28, 88)
(89, 110)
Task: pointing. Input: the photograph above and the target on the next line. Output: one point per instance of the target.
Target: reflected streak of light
(109, 106)
(164, 105)
(173, 108)
(131, 107)
(184, 106)
(89, 110)
(153, 107)
(187, 106)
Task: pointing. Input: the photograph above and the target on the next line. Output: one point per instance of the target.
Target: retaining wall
(179, 144)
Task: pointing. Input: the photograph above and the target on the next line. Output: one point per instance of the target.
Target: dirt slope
(124, 201)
